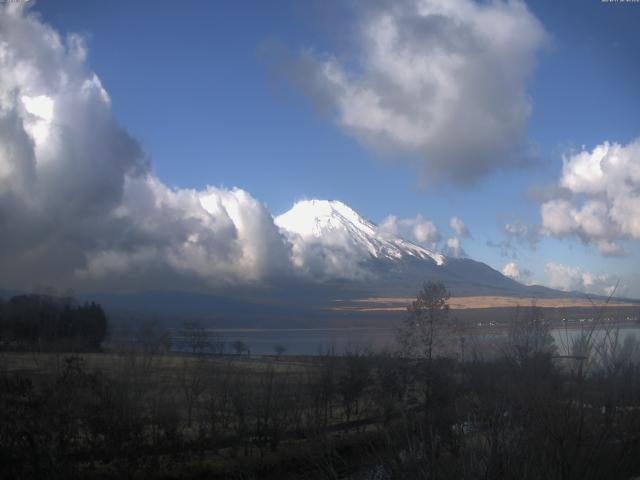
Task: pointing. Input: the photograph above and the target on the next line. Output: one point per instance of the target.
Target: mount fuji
(340, 260)
(333, 242)
(319, 220)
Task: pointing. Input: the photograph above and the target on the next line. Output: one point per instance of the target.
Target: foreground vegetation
(437, 408)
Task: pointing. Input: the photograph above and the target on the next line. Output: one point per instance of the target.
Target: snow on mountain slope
(330, 241)
(335, 228)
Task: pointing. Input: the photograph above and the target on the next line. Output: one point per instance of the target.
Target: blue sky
(199, 84)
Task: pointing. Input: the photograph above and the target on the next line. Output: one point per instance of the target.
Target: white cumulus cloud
(512, 270)
(454, 248)
(600, 203)
(418, 229)
(568, 278)
(523, 232)
(440, 80)
(458, 226)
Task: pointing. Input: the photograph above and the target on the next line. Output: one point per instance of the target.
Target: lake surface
(309, 341)
(321, 340)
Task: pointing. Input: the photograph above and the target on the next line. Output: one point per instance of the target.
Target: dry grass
(391, 304)
(165, 366)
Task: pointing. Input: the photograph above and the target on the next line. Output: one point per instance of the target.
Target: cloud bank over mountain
(441, 80)
(78, 199)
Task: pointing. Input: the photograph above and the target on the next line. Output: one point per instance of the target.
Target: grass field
(396, 304)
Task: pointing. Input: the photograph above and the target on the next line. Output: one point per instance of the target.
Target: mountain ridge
(363, 262)
(390, 260)
(314, 218)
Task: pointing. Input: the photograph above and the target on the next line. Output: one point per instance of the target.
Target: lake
(319, 340)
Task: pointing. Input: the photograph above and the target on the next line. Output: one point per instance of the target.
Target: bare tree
(353, 381)
(217, 401)
(321, 385)
(241, 403)
(529, 335)
(196, 338)
(217, 344)
(272, 408)
(279, 349)
(426, 322)
(239, 347)
(192, 382)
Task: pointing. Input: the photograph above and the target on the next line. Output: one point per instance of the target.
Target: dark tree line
(51, 322)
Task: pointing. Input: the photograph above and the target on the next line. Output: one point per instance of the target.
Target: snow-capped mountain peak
(315, 217)
(317, 220)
